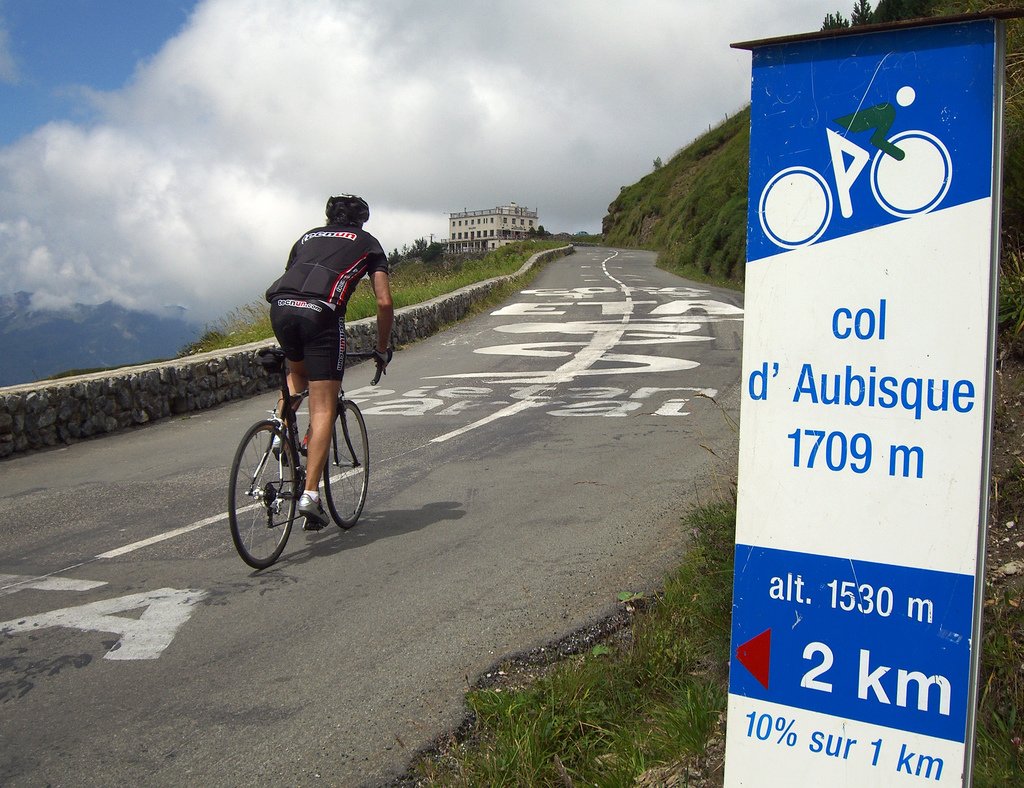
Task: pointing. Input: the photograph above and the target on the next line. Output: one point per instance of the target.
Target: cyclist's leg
(297, 380)
(348, 470)
(325, 365)
(323, 403)
(291, 326)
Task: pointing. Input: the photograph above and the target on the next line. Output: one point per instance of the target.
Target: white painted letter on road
(143, 638)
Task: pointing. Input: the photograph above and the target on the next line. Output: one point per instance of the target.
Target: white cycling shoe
(313, 511)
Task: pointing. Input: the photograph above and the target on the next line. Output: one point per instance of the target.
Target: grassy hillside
(693, 210)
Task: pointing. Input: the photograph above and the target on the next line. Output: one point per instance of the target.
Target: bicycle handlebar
(273, 362)
(381, 363)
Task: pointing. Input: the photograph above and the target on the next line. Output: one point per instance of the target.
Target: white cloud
(224, 147)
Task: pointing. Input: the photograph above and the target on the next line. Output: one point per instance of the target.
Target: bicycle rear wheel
(347, 473)
(262, 494)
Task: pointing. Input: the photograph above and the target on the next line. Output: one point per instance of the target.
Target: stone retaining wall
(37, 415)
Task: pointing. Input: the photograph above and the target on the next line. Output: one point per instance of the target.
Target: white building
(480, 231)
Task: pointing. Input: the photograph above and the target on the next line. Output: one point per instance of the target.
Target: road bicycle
(268, 473)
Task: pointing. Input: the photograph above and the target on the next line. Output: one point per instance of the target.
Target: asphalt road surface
(526, 466)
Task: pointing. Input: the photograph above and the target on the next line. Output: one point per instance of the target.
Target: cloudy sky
(168, 153)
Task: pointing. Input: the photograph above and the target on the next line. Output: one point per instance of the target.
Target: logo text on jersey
(300, 304)
(348, 236)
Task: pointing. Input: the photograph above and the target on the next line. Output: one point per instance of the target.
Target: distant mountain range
(39, 343)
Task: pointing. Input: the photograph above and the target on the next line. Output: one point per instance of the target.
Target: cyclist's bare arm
(385, 310)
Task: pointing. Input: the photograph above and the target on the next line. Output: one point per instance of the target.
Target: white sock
(314, 495)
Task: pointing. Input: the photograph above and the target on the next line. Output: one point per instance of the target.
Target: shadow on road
(371, 527)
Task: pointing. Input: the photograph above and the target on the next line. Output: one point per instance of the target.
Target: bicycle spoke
(261, 527)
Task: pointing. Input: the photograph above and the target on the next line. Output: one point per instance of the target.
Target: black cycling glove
(382, 360)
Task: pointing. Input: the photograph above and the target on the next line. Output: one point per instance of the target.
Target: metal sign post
(867, 366)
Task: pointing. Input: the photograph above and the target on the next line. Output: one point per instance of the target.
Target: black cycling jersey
(327, 263)
(307, 304)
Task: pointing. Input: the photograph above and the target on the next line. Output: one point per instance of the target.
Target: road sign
(872, 223)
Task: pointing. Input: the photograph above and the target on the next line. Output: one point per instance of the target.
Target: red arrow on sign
(755, 656)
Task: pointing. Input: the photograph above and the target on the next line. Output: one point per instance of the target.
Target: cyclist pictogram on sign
(910, 173)
(886, 142)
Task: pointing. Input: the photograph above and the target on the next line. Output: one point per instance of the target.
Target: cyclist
(307, 311)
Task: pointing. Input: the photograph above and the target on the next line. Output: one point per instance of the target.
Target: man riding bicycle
(307, 311)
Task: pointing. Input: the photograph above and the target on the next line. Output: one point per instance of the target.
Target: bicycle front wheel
(262, 495)
(347, 473)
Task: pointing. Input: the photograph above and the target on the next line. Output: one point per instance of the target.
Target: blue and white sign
(867, 374)
(870, 133)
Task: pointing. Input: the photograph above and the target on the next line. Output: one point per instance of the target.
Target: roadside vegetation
(413, 281)
(644, 706)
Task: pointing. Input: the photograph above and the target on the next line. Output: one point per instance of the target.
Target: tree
(432, 252)
(420, 250)
(658, 164)
(890, 11)
(861, 13)
(835, 21)
(885, 11)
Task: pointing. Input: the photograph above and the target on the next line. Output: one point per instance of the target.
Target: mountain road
(527, 466)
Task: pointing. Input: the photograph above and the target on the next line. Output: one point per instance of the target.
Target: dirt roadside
(1004, 561)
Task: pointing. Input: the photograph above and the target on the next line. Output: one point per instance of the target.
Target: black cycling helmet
(347, 209)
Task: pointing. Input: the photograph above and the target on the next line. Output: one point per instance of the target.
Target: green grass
(653, 699)
(411, 283)
(1011, 287)
(999, 753)
(655, 702)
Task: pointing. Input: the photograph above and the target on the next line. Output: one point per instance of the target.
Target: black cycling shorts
(310, 331)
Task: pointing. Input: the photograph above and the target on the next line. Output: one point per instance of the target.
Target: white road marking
(143, 638)
(511, 410)
(605, 337)
(168, 534)
(130, 548)
(10, 584)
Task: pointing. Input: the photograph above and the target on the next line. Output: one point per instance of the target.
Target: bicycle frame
(268, 473)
